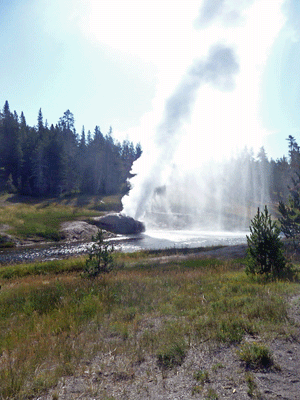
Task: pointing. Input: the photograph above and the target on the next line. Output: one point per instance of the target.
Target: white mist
(206, 122)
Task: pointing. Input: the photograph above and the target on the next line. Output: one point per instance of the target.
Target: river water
(161, 239)
(151, 239)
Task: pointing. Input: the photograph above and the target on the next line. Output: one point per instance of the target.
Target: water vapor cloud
(209, 10)
(218, 69)
(210, 115)
(230, 12)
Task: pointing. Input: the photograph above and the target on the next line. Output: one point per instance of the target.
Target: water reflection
(160, 239)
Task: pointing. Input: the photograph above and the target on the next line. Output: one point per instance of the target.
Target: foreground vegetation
(52, 319)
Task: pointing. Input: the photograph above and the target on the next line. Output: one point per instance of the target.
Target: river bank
(78, 236)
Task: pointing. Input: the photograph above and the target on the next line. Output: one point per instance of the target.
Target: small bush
(201, 376)
(100, 259)
(171, 354)
(255, 356)
(211, 394)
(265, 249)
(250, 383)
(196, 389)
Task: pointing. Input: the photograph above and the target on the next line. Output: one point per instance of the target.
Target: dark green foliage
(100, 259)
(290, 218)
(290, 209)
(55, 161)
(290, 212)
(265, 249)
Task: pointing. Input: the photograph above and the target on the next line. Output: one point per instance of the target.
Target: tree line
(55, 160)
(258, 179)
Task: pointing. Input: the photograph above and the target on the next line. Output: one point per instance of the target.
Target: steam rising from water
(180, 181)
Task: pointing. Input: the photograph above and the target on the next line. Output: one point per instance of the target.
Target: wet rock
(120, 224)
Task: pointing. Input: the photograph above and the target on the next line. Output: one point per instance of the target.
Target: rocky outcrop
(120, 224)
(78, 231)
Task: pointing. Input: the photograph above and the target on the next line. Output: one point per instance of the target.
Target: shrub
(255, 356)
(100, 260)
(265, 249)
(201, 376)
(171, 354)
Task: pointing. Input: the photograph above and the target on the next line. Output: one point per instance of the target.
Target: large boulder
(121, 224)
(78, 231)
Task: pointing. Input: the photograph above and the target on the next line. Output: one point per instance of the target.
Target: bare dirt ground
(111, 376)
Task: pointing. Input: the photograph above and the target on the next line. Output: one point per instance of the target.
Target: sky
(121, 63)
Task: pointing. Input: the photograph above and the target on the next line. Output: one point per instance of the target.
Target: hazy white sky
(116, 62)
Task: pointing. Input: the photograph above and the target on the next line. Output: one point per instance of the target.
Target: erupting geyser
(196, 174)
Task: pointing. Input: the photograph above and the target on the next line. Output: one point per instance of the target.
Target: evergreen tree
(290, 210)
(100, 259)
(40, 125)
(10, 145)
(279, 178)
(82, 145)
(42, 161)
(265, 249)
(294, 153)
(70, 171)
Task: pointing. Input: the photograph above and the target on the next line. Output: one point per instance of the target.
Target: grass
(52, 320)
(252, 386)
(29, 218)
(54, 267)
(211, 394)
(201, 376)
(256, 356)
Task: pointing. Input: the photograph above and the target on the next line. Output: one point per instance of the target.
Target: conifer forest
(45, 160)
(53, 160)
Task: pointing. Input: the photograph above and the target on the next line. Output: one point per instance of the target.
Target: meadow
(40, 219)
(53, 321)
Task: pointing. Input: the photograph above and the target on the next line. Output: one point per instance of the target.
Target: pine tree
(100, 259)
(40, 125)
(10, 145)
(290, 211)
(265, 249)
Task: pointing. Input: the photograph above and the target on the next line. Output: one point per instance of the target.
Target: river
(151, 239)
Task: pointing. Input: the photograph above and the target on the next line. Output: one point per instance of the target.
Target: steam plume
(218, 69)
(211, 114)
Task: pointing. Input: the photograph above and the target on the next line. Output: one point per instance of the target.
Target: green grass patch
(54, 267)
(255, 356)
(32, 218)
